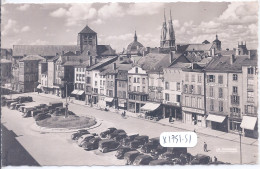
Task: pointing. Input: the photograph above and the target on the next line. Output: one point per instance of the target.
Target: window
(211, 107)
(199, 105)
(77, 77)
(191, 89)
(95, 74)
(178, 86)
(129, 79)
(138, 80)
(95, 83)
(124, 94)
(143, 81)
(185, 89)
(235, 99)
(104, 82)
(110, 92)
(234, 77)
(136, 70)
(143, 89)
(250, 109)
(134, 88)
(178, 98)
(250, 96)
(187, 101)
(134, 79)
(167, 96)
(129, 88)
(210, 78)
(193, 102)
(220, 79)
(211, 91)
(234, 90)
(166, 85)
(186, 77)
(193, 78)
(220, 106)
(138, 88)
(199, 78)
(199, 89)
(88, 80)
(250, 70)
(220, 93)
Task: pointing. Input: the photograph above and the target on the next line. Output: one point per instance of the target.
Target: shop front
(152, 110)
(194, 116)
(122, 104)
(249, 126)
(173, 111)
(217, 122)
(109, 101)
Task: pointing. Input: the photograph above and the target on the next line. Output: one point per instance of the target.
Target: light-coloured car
(85, 138)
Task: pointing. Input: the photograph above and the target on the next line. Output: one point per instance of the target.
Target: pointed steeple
(171, 34)
(216, 36)
(164, 16)
(170, 14)
(163, 31)
(135, 38)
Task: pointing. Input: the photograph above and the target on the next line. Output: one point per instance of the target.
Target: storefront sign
(193, 110)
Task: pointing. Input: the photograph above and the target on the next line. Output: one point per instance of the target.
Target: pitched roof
(119, 67)
(154, 62)
(105, 50)
(253, 61)
(223, 64)
(102, 63)
(43, 50)
(226, 52)
(32, 57)
(199, 47)
(180, 65)
(87, 30)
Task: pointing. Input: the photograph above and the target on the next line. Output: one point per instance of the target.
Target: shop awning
(39, 86)
(248, 122)
(80, 92)
(216, 118)
(74, 91)
(150, 106)
(108, 99)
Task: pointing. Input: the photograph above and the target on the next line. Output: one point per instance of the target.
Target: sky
(115, 23)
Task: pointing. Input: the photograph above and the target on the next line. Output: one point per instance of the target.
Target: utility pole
(240, 134)
(66, 110)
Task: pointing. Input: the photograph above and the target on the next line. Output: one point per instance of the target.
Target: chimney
(90, 61)
(213, 52)
(114, 66)
(172, 56)
(237, 52)
(249, 54)
(232, 59)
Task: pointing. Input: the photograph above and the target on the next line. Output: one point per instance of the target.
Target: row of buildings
(198, 84)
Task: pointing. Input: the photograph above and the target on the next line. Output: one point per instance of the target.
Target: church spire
(164, 16)
(135, 38)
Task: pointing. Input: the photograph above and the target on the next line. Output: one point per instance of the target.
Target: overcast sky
(115, 23)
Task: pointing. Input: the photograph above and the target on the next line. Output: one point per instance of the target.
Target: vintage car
(92, 144)
(120, 137)
(121, 152)
(152, 144)
(160, 162)
(200, 159)
(130, 137)
(42, 116)
(104, 134)
(23, 99)
(27, 111)
(142, 160)
(78, 134)
(17, 106)
(115, 133)
(56, 104)
(139, 141)
(158, 151)
(12, 105)
(108, 145)
(8, 102)
(85, 138)
(130, 156)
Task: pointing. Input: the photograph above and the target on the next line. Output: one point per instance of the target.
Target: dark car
(115, 133)
(139, 141)
(107, 132)
(4, 101)
(8, 102)
(108, 145)
(152, 144)
(119, 137)
(42, 116)
(121, 152)
(160, 162)
(130, 137)
(200, 159)
(168, 156)
(92, 144)
(78, 134)
(17, 106)
(158, 151)
(12, 105)
(142, 160)
(23, 99)
(130, 156)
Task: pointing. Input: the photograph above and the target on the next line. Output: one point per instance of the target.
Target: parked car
(42, 116)
(35, 112)
(152, 144)
(130, 137)
(23, 99)
(8, 102)
(200, 159)
(177, 150)
(115, 133)
(78, 134)
(218, 162)
(27, 111)
(160, 162)
(130, 156)
(4, 101)
(121, 152)
(168, 156)
(12, 105)
(21, 108)
(85, 138)
(108, 145)
(56, 104)
(92, 144)
(107, 132)
(142, 160)
(139, 141)
(158, 151)
(120, 137)
(17, 106)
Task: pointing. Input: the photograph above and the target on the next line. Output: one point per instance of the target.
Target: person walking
(205, 147)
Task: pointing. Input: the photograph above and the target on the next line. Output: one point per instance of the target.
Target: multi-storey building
(79, 81)
(250, 96)
(6, 71)
(122, 88)
(28, 73)
(193, 98)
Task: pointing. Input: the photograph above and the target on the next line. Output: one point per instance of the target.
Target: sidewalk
(176, 124)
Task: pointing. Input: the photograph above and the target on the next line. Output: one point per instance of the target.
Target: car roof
(107, 140)
(201, 155)
(143, 156)
(86, 135)
(142, 136)
(156, 138)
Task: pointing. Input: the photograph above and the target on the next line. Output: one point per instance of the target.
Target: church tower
(87, 39)
(163, 32)
(170, 35)
(217, 43)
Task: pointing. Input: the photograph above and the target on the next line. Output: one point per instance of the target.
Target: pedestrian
(124, 112)
(205, 147)
(215, 159)
(194, 131)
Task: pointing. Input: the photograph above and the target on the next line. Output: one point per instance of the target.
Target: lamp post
(240, 135)
(66, 104)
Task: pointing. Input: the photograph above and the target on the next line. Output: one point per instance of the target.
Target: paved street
(58, 149)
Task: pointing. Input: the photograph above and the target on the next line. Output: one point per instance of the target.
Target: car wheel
(105, 150)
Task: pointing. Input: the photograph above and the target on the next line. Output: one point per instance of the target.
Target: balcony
(236, 115)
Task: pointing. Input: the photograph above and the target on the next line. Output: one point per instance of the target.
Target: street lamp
(240, 135)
